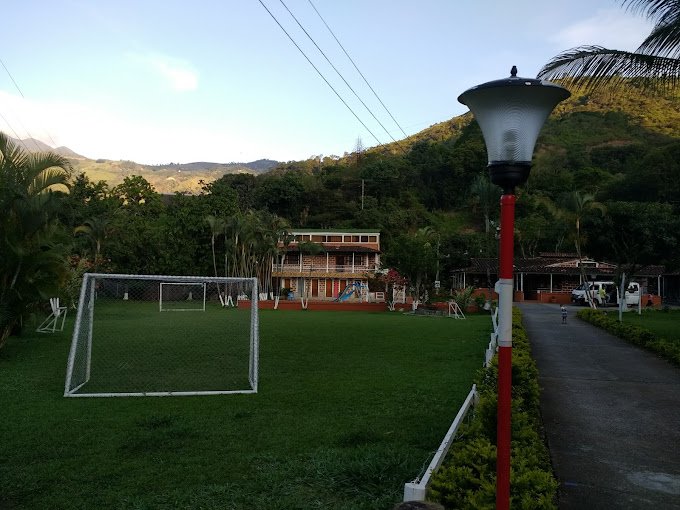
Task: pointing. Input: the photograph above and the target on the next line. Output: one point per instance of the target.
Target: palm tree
(32, 246)
(654, 65)
(577, 205)
(485, 195)
(97, 230)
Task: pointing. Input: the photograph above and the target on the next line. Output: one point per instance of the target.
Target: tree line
(604, 184)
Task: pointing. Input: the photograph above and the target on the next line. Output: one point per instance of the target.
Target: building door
(329, 288)
(315, 287)
(336, 288)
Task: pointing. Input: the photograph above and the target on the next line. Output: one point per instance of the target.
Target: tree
(654, 65)
(217, 226)
(32, 246)
(636, 234)
(138, 196)
(577, 204)
(96, 230)
(138, 246)
(414, 256)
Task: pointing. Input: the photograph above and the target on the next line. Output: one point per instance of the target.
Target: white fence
(493, 341)
(417, 489)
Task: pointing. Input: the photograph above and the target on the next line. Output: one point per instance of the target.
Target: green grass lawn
(131, 349)
(350, 406)
(662, 323)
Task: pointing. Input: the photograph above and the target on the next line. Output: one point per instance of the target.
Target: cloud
(610, 28)
(95, 131)
(178, 74)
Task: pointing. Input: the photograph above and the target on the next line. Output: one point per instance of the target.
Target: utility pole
(362, 194)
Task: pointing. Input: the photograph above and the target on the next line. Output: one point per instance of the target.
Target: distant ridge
(257, 167)
(33, 145)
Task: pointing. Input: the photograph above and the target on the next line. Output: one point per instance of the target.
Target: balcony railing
(324, 268)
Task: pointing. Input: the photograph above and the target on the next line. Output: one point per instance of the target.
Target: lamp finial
(513, 71)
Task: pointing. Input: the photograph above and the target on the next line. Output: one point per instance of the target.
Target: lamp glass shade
(510, 113)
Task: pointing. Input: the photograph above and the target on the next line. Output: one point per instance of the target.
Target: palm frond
(51, 178)
(653, 9)
(664, 40)
(39, 161)
(11, 155)
(593, 67)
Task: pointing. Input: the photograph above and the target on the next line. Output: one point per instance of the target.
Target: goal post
(182, 296)
(123, 346)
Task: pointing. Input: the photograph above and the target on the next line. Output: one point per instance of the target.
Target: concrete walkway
(611, 413)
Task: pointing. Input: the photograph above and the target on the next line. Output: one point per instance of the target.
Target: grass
(350, 406)
(663, 323)
(210, 349)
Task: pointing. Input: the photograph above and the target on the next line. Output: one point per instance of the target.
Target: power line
(355, 67)
(54, 144)
(319, 72)
(18, 138)
(338, 72)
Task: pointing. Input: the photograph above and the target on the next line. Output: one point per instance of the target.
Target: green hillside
(620, 154)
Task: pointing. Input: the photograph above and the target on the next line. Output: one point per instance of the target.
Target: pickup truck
(605, 293)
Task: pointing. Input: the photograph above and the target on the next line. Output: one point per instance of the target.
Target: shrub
(468, 477)
(634, 334)
(463, 297)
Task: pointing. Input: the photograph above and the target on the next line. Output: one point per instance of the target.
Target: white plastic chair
(52, 323)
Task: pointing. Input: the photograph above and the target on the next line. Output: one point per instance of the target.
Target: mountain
(33, 145)
(257, 167)
(166, 178)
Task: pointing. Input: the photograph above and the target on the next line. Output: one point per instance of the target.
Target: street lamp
(510, 113)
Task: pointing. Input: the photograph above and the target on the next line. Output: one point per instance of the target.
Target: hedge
(636, 335)
(467, 479)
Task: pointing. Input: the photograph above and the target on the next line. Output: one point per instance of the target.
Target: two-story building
(320, 264)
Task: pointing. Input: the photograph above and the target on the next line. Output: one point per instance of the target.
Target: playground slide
(346, 293)
(350, 289)
(345, 296)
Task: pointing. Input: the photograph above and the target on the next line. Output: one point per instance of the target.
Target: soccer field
(349, 407)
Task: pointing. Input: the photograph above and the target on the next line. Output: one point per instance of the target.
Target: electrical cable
(355, 67)
(338, 72)
(320, 73)
(54, 144)
(18, 138)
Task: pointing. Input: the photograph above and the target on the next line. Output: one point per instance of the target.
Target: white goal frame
(83, 329)
(196, 309)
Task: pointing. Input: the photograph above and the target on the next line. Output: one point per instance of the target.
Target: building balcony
(322, 270)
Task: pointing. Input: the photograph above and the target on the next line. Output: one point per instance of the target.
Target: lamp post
(510, 113)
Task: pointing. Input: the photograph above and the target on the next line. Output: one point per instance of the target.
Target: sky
(161, 81)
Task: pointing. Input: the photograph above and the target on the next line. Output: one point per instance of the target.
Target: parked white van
(605, 293)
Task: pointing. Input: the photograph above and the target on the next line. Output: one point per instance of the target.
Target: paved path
(611, 413)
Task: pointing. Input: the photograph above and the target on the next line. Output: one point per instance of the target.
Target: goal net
(124, 344)
(182, 296)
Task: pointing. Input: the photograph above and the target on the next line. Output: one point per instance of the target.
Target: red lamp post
(510, 113)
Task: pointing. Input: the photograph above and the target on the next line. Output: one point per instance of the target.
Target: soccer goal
(125, 345)
(182, 297)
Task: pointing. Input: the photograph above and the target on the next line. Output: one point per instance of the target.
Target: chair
(52, 323)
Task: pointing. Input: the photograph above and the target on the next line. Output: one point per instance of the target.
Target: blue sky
(175, 81)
